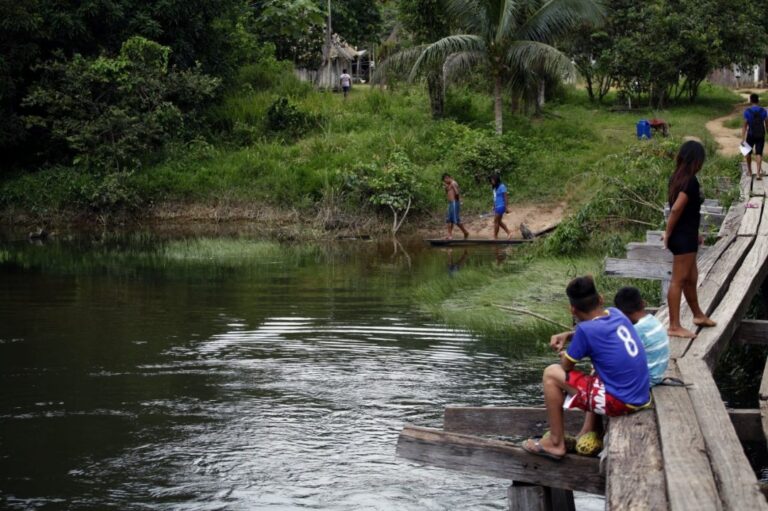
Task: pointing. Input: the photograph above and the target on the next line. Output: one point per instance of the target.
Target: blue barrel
(643, 129)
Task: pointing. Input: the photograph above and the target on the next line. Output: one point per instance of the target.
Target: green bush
(286, 118)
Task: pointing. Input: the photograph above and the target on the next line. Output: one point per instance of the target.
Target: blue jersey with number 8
(617, 355)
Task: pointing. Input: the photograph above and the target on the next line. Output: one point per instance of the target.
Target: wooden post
(529, 497)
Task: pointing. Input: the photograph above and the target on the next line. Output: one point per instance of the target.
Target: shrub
(285, 117)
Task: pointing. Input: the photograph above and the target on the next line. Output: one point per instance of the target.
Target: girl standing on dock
(682, 238)
(500, 206)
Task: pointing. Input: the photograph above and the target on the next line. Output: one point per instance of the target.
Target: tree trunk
(497, 105)
(542, 95)
(436, 89)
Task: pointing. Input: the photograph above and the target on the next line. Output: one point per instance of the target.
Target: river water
(236, 374)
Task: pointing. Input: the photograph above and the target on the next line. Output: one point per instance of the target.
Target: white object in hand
(745, 148)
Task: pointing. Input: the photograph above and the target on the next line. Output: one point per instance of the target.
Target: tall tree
(511, 37)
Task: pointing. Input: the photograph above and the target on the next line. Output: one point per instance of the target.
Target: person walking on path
(753, 133)
(500, 206)
(454, 205)
(346, 82)
(682, 238)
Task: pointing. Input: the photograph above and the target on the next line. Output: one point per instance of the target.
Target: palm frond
(399, 63)
(556, 17)
(531, 59)
(461, 62)
(437, 52)
(471, 16)
(508, 20)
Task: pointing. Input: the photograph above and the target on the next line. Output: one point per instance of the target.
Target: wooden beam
(763, 402)
(496, 458)
(637, 269)
(635, 468)
(752, 215)
(654, 252)
(527, 497)
(752, 331)
(747, 423)
(758, 189)
(689, 477)
(742, 288)
(654, 237)
(504, 421)
(736, 480)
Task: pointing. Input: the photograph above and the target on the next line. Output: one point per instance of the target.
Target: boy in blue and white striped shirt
(650, 330)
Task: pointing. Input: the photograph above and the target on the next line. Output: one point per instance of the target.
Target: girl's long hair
(690, 159)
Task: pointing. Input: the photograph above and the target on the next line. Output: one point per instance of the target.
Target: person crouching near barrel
(620, 383)
(682, 238)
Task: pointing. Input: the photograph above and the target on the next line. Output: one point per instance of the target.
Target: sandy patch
(534, 215)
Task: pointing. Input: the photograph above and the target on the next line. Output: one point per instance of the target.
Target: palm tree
(512, 38)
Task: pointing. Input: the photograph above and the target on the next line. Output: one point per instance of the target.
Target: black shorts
(757, 145)
(683, 243)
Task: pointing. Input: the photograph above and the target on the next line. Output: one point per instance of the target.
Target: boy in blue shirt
(650, 330)
(753, 133)
(621, 381)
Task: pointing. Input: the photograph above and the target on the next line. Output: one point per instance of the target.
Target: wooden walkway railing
(686, 453)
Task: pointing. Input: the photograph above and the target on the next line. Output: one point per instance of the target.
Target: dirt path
(728, 139)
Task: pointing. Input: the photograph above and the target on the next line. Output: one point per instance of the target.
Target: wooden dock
(684, 454)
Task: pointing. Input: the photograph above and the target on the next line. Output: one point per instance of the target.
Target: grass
(733, 122)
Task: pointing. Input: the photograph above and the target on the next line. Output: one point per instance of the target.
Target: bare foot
(680, 332)
(704, 322)
(466, 235)
(448, 238)
(509, 235)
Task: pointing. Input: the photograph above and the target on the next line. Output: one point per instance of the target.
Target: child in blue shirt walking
(499, 206)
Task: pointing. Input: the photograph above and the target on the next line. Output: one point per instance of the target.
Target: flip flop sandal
(671, 381)
(751, 206)
(538, 450)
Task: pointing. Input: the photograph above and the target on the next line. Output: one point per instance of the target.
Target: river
(236, 374)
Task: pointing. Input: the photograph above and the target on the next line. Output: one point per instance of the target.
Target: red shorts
(592, 397)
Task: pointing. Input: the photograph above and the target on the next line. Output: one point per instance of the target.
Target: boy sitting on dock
(650, 330)
(621, 382)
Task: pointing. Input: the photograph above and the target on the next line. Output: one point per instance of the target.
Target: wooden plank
(496, 458)
(736, 481)
(635, 468)
(732, 219)
(504, 421)
(637, 269)
(762, 229)
(689, 478)
(747, 423)
(751, 219)
(711, 203)
(474, 241)
(752, 331)
(745, 185)
(742, 287)
(758, 189)
(654, 252)
(654, 237)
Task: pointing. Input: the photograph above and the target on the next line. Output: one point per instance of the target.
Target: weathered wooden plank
(711, 203)
(747, 423)
(762, 229)
(752, 331)
(745, 185)
(758, 189)
(732, 219)
(637, 269)
(635, 468)
(528, 497)
(742, 287)
(504, 421)
(654, 237)
(751, 219)
(736, 481)
(496, 458)
(654, 252)
(689, 478)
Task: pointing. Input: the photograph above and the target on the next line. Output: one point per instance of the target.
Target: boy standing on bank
(753, 133)
(454, 206)
(620, 384)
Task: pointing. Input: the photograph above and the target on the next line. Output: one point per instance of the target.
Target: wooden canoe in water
(460, 242)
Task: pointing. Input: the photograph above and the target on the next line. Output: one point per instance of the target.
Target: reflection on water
(220, 374)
